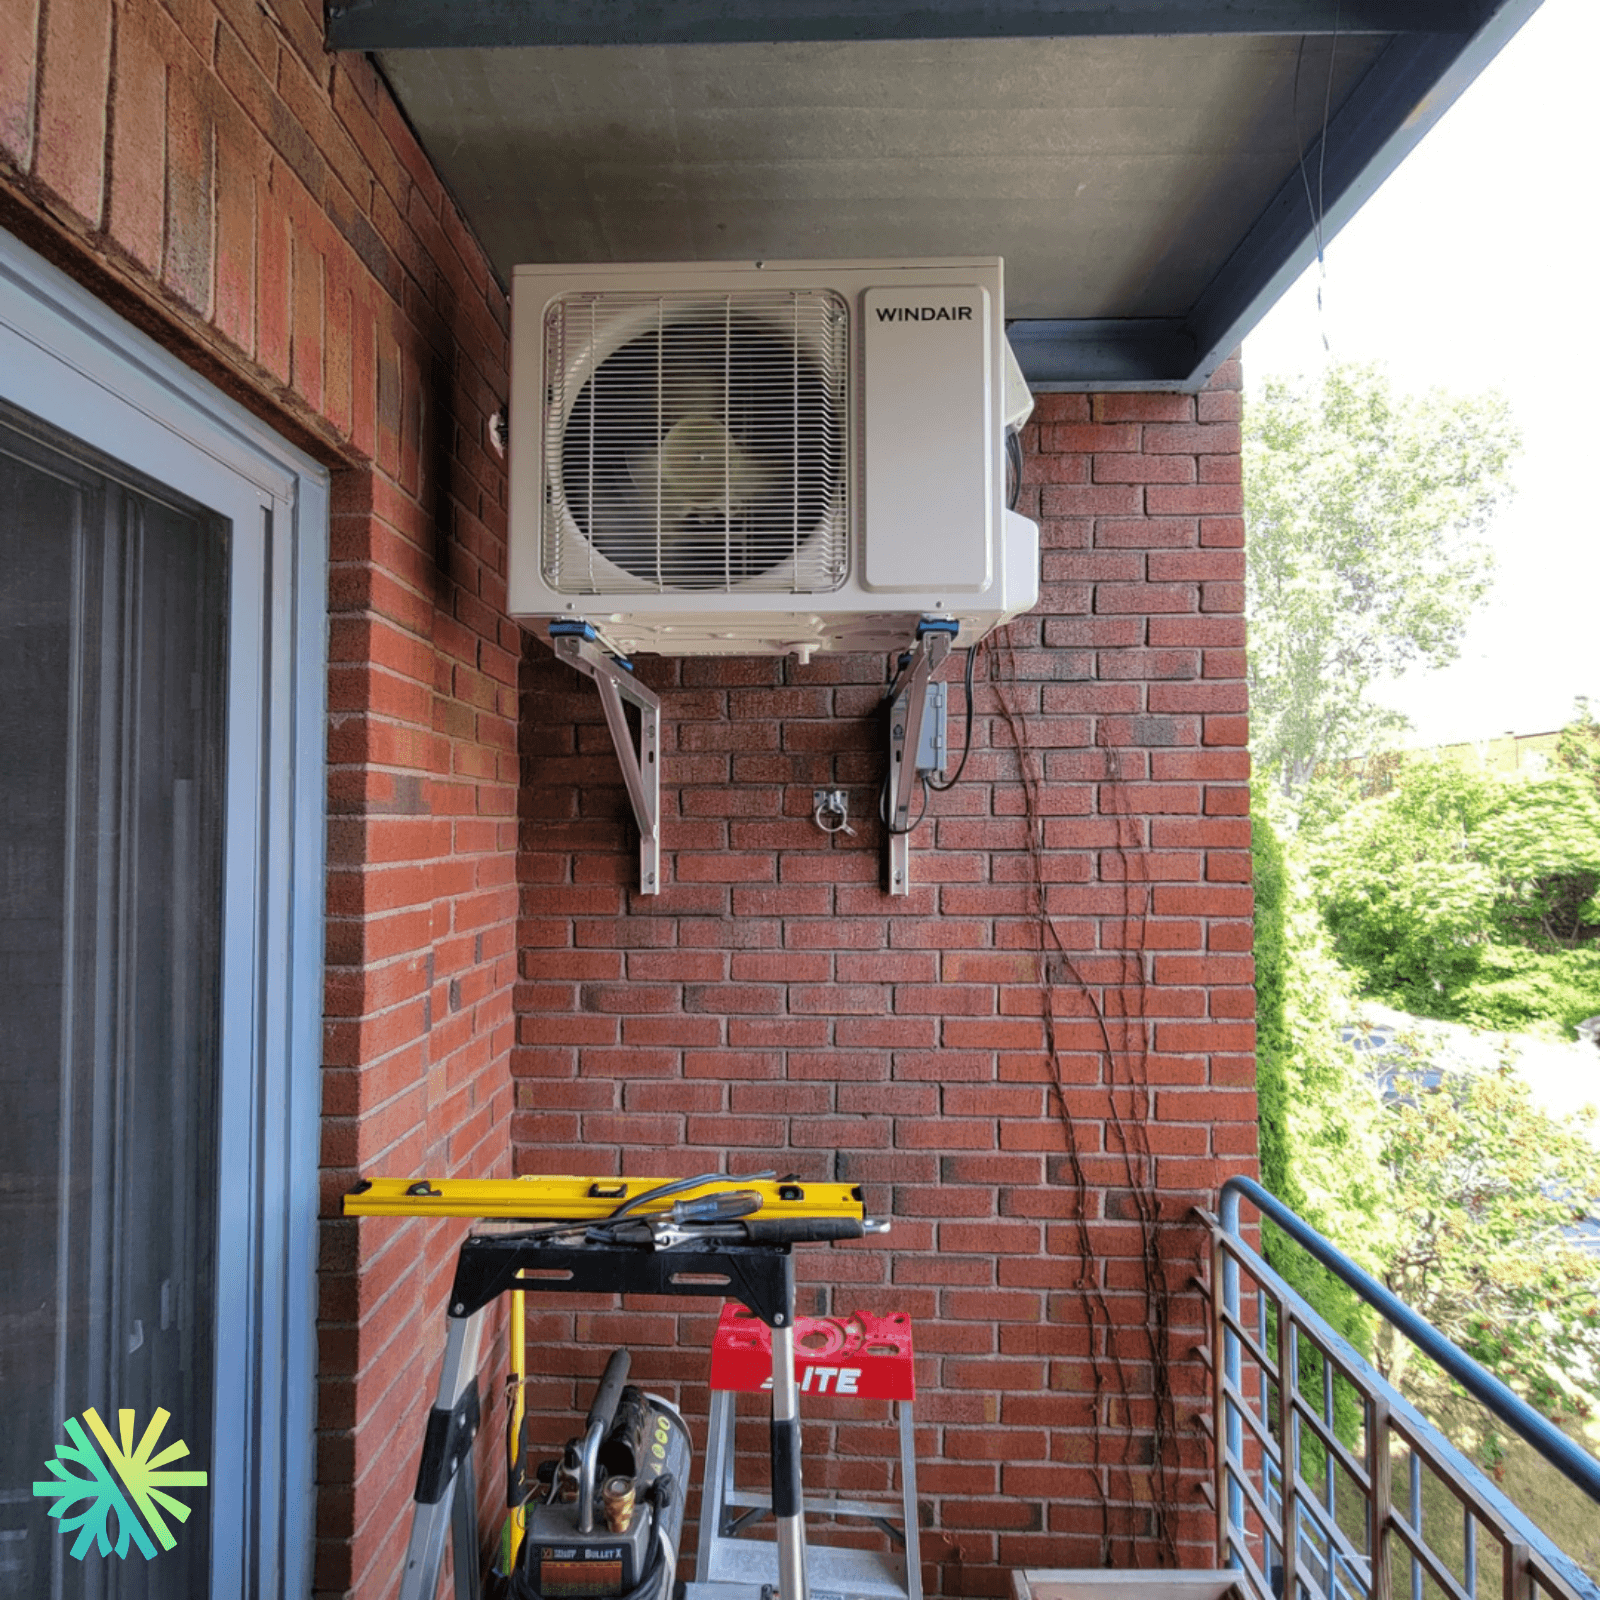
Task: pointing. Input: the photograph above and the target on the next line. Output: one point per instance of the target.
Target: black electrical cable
(678, 1185)
(966, 749)
(597, 1228)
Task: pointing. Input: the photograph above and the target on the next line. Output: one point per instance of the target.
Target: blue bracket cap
(573, 630)
(938, 625)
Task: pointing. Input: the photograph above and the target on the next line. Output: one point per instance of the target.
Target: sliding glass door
(162, 660)
(112, 624)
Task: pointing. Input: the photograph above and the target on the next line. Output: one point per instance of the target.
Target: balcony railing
(1330, 1485)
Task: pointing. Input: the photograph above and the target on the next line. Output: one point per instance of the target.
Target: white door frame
(76, 365)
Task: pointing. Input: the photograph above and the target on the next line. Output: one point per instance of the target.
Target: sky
(1477, 266)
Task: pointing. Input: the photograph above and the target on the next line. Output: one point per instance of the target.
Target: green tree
(1490, 1190)
(1578, 748)
(1542, 843)
(1319, 1113)
(1364, 510)
(1407, 901)
(1465, 895)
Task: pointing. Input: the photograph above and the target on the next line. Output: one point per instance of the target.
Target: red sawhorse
(857, 1356)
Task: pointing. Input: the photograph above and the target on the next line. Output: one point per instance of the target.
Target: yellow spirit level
(570, 1199)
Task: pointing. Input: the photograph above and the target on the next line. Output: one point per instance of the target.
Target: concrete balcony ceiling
(1155, 174)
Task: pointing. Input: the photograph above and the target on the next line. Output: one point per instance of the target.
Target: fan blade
(699, 468)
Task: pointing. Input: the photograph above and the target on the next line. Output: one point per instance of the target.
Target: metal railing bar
(1329, 1439)
(1416, 1522)
(1327, 1352)
(1289, 1469)
(1269, 1368)
(1325, 1522)
(1309, 1588)
(1333, 1548)
(1540, 1571)
(1469, 1552)
(1381, 1506)
(1466, 1492)
(1240, 1480)
(1425, 1559)
(1246, 1413)
(1515, 1567)
(1489, 1391)
(1337, 1454)
(1334, 1552)
(1553, 1568)
(1239, 1552)
(1266, 1372)
(1227, 1435)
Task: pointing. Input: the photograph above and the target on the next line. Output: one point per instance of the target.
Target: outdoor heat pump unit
(744, 458)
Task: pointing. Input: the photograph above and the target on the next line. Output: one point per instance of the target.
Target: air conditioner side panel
(927, 432)
(527, 592)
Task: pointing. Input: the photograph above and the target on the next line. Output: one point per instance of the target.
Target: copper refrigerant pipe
(616, 1499)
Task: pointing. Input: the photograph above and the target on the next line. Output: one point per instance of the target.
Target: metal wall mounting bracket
(578, 645)
(908, 703)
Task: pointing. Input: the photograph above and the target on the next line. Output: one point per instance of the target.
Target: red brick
(1206, 566)
(19, 22)
(1145, 599)
(1143, 469)
(1087, 438)
(1147, 533)
(1094, 500)
(307, 325)
(1143, 408)
(1050, 408)
(236, 245)
(1226, 731)
(139, 134)
(1218, 406)
(1050, 469)
(1220, 499)
(1205, 438)
(1197, 631)
(191, 197)
(1179, 697)
(72, 88)
(1222, 532)
(1226, 597)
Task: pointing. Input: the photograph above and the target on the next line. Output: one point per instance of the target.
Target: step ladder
(856, 1356)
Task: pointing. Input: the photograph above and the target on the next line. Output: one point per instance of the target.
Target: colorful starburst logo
(104, 1481)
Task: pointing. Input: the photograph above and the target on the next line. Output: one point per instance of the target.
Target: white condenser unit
(764, 457)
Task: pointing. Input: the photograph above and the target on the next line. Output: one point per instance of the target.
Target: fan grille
(696, 442)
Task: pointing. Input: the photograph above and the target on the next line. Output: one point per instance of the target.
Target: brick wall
(1036, 1063)
(262, 208)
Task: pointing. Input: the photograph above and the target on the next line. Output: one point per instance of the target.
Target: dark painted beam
(451, 24)
(1116, 353)
(1400, 97)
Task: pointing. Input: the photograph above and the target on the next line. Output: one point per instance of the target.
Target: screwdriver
(725, 1207)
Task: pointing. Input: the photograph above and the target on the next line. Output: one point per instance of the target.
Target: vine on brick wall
(1123, 1066)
